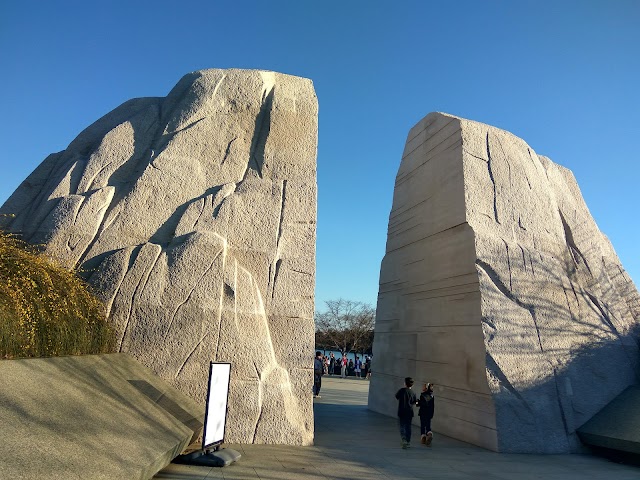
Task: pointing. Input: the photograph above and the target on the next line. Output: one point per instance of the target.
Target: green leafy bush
(46, 309)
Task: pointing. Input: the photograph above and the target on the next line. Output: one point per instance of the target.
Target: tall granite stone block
(498, 287)
(195, 218)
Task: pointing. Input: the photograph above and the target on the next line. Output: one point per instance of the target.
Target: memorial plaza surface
(352, 442)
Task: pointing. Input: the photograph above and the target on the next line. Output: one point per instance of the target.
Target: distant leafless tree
(345, 326)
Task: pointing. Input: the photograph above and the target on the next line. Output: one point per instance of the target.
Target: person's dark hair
(318, 353)
(408, 381)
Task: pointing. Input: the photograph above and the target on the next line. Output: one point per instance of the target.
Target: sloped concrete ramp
(90, 417)
(616, 426)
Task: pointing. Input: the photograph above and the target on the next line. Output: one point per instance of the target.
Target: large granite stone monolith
(498, 287)
(194, 216)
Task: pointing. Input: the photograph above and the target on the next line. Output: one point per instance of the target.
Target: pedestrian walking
(425, 412)
(317, 374)
(406, 401)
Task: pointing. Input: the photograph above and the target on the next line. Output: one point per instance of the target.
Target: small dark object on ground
(219, 458)
(617, 456)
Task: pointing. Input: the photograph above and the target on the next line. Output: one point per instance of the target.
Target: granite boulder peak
(194, 216)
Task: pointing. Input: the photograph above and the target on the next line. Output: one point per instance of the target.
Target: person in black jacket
(425, 413)
(318, 370)
(406, 401)
(332, 364)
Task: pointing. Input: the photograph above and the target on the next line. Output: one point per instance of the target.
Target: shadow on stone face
(498, 286)
(563, 359)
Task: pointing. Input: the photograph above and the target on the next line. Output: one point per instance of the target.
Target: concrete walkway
(353, 443)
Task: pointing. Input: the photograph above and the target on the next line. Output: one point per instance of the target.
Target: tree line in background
(345, 326)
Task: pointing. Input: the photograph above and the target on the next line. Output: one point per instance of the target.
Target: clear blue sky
(563, 75)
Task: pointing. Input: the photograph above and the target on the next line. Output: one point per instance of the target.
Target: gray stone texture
(90, 417)
(194, 216)
(498, 287)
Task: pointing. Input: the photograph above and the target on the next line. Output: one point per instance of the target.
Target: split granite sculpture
(194, 218)
(498, 287)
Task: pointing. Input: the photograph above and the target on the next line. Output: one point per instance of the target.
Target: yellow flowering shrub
(46, 309)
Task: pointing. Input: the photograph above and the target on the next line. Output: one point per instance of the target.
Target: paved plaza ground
(353, 443)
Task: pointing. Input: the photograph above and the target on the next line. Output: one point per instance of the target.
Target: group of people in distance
(407, 400)
(332, 365)
(323, 365)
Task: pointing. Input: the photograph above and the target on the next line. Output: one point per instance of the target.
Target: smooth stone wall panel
(498, 286)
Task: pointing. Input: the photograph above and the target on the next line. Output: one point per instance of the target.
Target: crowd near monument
(194, 217)
(498, 286)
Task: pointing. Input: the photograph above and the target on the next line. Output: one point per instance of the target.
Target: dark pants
(317, 383)
(425, 425)
(405, 428)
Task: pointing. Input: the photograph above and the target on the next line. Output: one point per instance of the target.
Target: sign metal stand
(215, 422)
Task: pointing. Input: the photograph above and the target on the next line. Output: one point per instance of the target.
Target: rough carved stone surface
(498, 286)
(194, 216)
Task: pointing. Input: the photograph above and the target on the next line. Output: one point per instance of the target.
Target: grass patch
(46, 309)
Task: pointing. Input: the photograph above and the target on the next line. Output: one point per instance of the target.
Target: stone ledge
(616, 426)
(92, 416)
